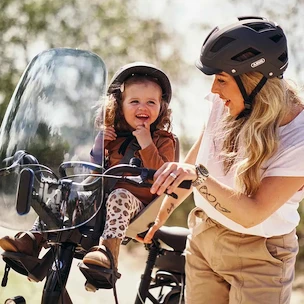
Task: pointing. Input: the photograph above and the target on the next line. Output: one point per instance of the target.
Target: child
(139, 95)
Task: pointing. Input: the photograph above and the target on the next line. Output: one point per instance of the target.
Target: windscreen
(51, 117)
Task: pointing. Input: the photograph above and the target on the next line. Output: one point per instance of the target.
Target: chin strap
(129, 138)
(248, 100)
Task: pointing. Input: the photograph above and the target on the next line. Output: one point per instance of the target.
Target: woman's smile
(226, 87)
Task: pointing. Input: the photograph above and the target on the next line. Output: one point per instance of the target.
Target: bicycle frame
(58, 269)
(163, 278)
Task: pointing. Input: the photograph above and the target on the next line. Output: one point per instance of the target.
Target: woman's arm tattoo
(171, 208)
(212, 199)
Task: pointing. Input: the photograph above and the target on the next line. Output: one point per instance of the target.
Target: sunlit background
(168, 33)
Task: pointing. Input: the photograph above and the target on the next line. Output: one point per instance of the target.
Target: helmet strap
(248, 100)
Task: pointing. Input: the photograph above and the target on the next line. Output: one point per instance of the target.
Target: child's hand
(109, 133)
(143, 135)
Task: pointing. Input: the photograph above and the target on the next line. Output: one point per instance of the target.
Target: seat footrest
(99, 277)
(32, 267)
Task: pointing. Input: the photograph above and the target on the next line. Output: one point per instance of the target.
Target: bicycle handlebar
(40, 188)
(125, 172)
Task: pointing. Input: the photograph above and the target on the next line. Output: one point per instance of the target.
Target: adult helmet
(145, 69)
(249, 44)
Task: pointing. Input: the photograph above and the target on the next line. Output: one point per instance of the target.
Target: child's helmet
(142, 68)
(225, 48)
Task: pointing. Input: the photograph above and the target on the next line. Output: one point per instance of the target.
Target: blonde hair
(250, 141)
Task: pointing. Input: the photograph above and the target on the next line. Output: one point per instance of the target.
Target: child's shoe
(29, 243)
(97, 256)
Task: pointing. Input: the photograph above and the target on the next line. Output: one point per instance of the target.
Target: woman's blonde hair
(250, 141)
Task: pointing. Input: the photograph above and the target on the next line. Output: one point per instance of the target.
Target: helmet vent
(213, 31)
(250, 17)
(283, 57)
(222, 42)
(259, 27)
(246, 54)
(276, 38)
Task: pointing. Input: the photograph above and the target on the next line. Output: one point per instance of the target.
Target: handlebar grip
(186, 184)
(151, 173)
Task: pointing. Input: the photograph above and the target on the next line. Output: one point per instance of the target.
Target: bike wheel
(15, 300)
(174, 297)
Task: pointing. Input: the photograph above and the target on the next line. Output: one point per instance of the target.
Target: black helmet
(250, 44)
(142, 68)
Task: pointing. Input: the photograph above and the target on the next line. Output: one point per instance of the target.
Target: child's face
(141, 103)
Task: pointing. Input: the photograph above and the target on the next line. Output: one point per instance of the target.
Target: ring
(173, 175)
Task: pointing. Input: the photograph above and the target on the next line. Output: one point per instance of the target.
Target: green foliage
(110, 28)
(185, 145)
(300, 233)
(180, 214)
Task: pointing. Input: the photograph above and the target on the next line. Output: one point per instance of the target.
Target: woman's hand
(109, 133)
(149, 235)
(170, 175)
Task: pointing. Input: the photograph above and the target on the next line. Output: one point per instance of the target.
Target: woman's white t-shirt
(287, 161)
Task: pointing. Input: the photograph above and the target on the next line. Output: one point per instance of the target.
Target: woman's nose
(214, 88)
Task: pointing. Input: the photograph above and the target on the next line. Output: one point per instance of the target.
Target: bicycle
(66, 84)
(73, 242)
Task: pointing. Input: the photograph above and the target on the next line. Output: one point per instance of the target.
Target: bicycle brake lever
(143, 234)
(174, 195)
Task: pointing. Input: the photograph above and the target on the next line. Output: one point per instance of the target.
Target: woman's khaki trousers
(226, 267)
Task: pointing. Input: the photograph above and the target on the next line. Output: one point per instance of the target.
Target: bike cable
(57, 267)
(114, 289)
(181, 295)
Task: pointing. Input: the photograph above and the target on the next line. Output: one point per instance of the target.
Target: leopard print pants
(121, 206)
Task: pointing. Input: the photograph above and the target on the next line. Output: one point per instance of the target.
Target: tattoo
(170, 209)
(212, 199)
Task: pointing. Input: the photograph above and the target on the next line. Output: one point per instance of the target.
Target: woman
(247, 172)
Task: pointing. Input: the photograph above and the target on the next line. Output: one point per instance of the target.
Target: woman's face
(226, 87)
(141, 102)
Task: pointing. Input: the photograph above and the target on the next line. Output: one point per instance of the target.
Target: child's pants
(121, 207)
(223, 266)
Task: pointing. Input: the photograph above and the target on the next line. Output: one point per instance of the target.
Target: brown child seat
(145, 218)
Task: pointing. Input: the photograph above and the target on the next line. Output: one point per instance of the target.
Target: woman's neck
(293, 113)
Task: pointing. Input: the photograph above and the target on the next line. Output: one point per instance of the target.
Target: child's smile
(141, 103)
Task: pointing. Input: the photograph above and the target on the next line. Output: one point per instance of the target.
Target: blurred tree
(110, 28)
(113, 29)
